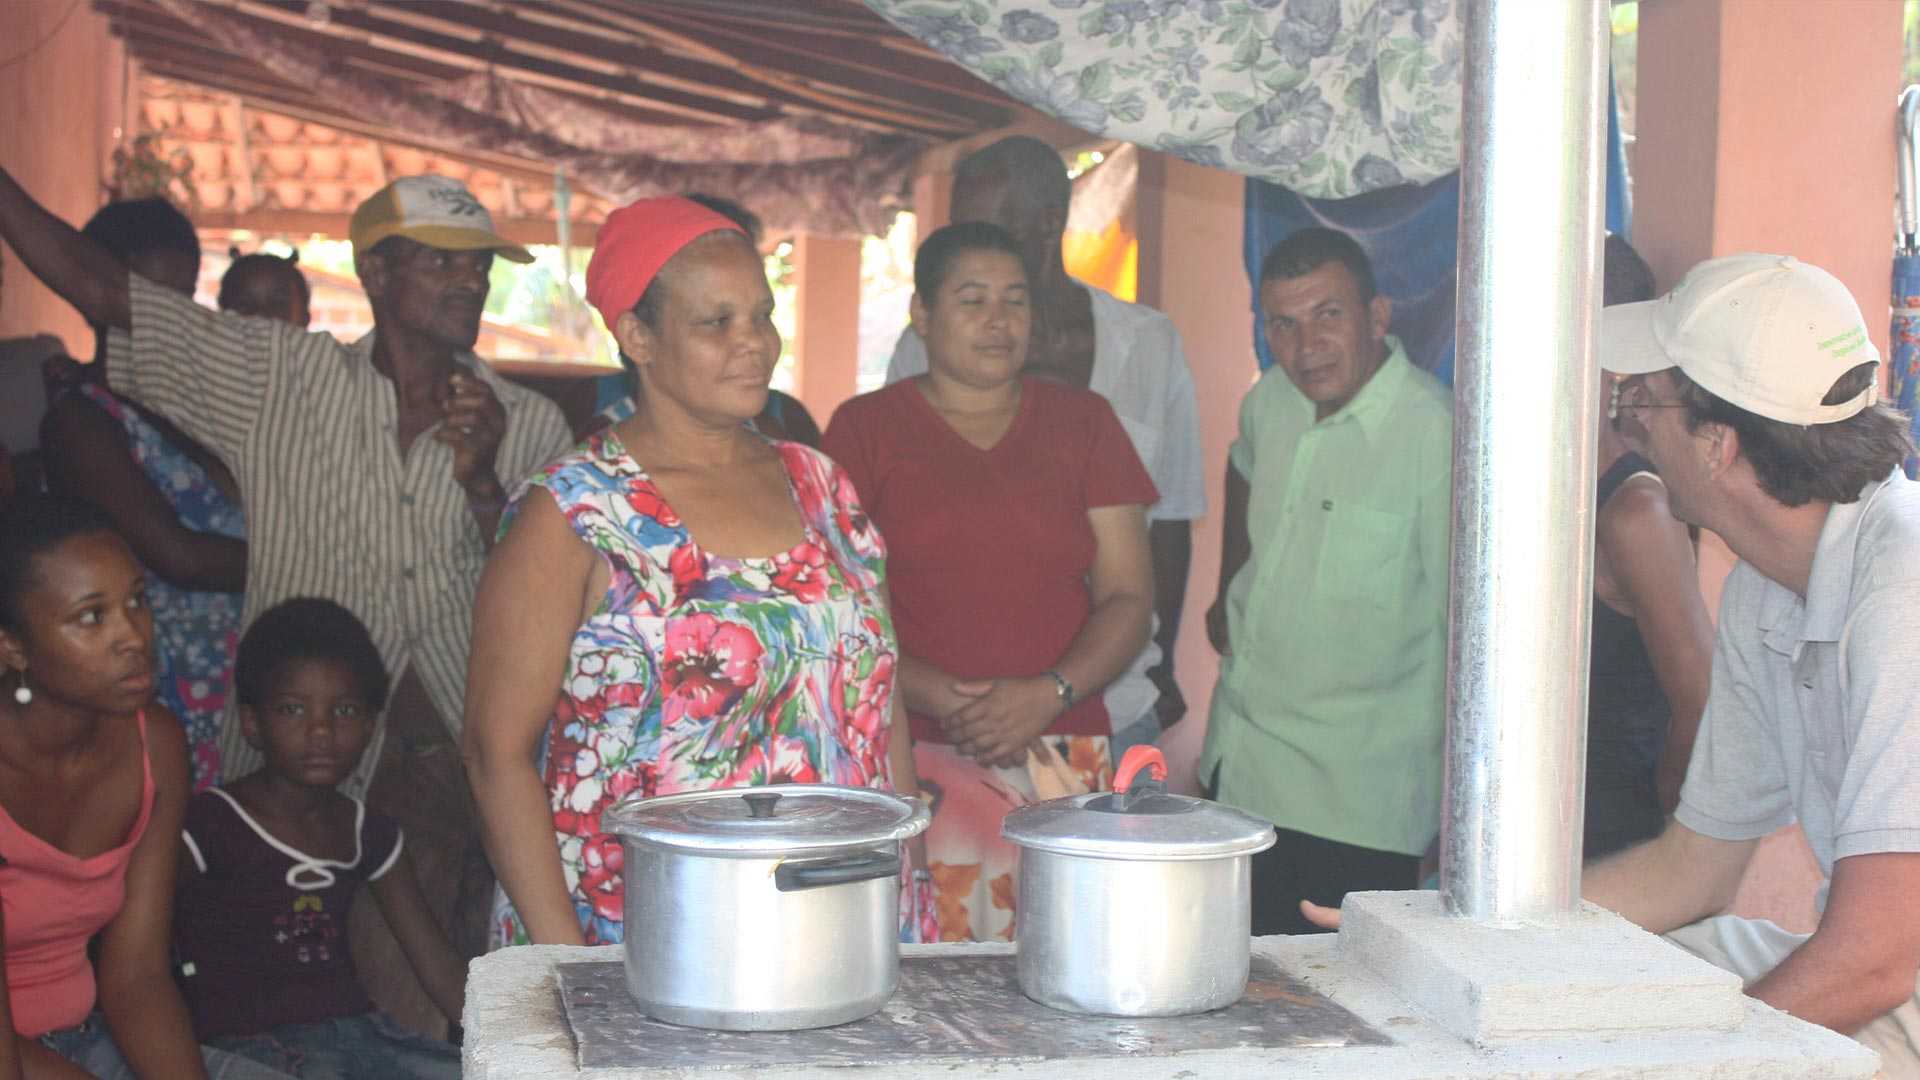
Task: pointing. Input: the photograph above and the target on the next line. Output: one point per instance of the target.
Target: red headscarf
(636, 241)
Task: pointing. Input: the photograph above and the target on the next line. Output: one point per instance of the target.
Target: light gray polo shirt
(1814, 711)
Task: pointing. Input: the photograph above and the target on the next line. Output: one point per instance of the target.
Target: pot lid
(1138, 820)
(764, 821)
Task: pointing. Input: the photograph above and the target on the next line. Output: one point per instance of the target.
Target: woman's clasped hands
(1002, 718)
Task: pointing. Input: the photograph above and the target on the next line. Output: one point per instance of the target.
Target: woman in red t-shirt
(1014, 510)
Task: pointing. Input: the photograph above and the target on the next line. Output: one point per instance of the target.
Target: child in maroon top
(272, 861)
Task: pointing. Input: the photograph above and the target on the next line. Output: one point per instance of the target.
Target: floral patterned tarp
(1329, 98)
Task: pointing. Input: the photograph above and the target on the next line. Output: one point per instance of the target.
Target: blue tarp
(1411, 234)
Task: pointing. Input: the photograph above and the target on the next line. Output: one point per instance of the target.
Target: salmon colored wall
(1191, 222)
(1807, 140)
(1672, 157)
(826, 324)
(1767, 125)
(63, 110)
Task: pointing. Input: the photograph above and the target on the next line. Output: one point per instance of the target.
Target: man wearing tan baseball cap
(432, 210)
(1753, 387)
(373, 474)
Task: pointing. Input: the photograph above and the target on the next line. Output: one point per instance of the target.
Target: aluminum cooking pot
(1135, 902)
(763, 909)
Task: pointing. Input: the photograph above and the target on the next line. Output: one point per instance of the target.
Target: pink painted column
(65, 106)
(1191, 219)
(1767, 127)
(826, 346)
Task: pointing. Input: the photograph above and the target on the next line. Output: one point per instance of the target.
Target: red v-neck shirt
(988, 550)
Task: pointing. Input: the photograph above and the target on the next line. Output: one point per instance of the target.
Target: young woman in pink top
(93, 783)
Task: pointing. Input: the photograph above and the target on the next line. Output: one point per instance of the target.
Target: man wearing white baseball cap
(1753, 388)
(373, 474)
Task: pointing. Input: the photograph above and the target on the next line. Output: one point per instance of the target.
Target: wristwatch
(1061, 687)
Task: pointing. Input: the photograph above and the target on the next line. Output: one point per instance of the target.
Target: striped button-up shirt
(334, 509)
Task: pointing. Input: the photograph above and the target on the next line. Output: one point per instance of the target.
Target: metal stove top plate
(963, 1009)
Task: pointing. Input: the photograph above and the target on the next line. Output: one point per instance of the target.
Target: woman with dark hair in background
(1652, 649)
(175, 503)
(1014, 509)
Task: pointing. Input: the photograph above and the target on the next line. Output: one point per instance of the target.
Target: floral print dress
(698, 671)
(194, 633)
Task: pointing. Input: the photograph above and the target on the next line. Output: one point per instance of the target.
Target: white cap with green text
(1766, 333)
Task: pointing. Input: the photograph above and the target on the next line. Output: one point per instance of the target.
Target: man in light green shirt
(1331, 617)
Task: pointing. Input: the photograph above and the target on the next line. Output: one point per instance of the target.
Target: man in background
(1331, 615)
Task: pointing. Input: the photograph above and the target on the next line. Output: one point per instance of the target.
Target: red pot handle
(1136, 759)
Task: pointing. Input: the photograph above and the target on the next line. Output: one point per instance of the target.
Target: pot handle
(1136, 759)
(816, 873)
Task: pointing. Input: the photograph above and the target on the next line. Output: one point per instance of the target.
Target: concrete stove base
(1589, 972)
(515, 1029)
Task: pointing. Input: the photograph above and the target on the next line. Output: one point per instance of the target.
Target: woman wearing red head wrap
(679, 603)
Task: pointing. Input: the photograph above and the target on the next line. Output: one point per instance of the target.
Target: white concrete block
(1591, 972)
(516, 1031)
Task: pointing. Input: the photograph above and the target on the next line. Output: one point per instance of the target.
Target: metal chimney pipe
(1526, 388)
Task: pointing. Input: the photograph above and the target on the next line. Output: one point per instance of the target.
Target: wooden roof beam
(307, 222)
(826, 63)
(675, 21)
(513, 54)
(626, 49)
(288, 102)
(905, 57)
(568, 40)
(850, 110)
(504, 64)
(928, 116)
(856, 23)
(142, 22)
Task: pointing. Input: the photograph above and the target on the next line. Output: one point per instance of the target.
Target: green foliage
(780, 279)
(1910, 70)
(141, 170)
(1626, 16)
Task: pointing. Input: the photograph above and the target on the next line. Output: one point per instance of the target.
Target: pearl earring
(20, 693)
(1613, 401)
